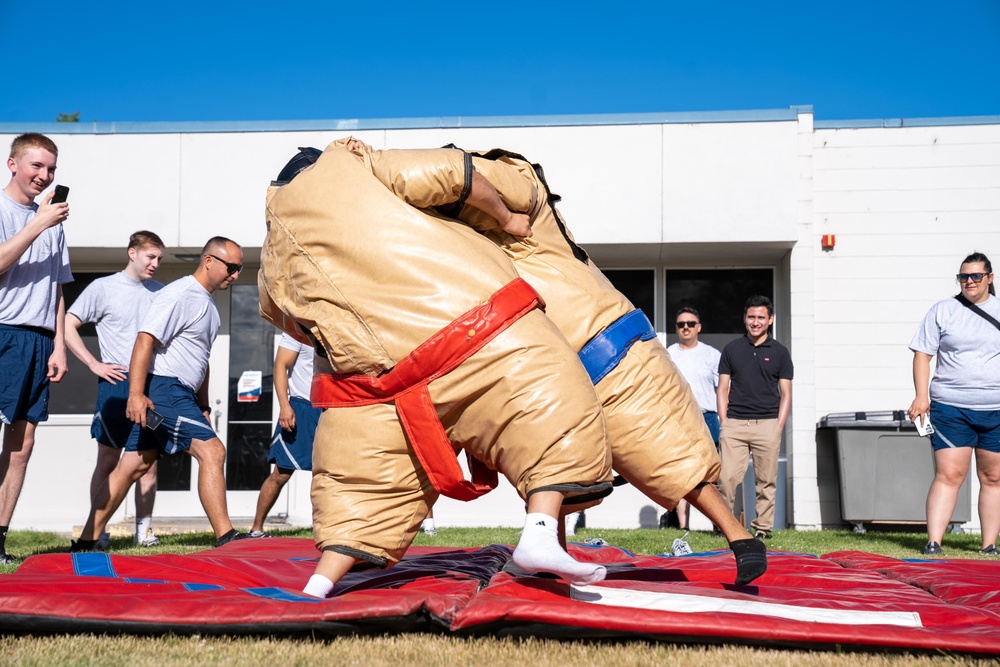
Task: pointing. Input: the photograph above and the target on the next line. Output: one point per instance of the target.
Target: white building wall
(906, 204)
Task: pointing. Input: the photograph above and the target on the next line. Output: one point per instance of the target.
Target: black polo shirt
(754, 373)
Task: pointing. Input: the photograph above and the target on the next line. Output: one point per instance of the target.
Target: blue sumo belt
(605, 350)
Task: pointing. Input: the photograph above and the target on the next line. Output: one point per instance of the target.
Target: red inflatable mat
(847, 599)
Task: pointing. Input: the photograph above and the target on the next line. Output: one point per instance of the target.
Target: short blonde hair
(32, 140)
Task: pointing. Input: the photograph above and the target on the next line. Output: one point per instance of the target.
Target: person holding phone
(168, 374)
(34, 265)
(117, 304)
(962, 400)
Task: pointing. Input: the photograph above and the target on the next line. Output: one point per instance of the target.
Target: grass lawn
(431, 649)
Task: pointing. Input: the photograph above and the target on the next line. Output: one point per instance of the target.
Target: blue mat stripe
(93, 564)
(281, 594)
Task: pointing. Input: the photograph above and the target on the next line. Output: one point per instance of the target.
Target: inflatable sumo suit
(658, 438)
(429, 338)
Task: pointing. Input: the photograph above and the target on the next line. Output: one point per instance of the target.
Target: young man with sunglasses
(168, 380)
(699, 364)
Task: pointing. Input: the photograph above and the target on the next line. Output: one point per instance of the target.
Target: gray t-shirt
(185, 321)
(28, 290)
(700, 367)
(117, 304)
(968, 354)
(301, 372)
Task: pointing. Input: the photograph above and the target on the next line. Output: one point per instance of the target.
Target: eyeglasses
(231, 267)
(976, 277)
(686, 324)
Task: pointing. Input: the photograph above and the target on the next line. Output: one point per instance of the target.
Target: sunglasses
(686, 324)
(231, 268)
(976, 277)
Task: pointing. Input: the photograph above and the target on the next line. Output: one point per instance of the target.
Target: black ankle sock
(3, 538)
(751, 560)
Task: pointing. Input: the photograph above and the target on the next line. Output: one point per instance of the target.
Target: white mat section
(700, 604)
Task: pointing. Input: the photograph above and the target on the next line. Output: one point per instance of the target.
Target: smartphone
(924, 425)
(153, 419)
(61, 193)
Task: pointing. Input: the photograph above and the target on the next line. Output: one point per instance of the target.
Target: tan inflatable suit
(373, 279)
(658, 437)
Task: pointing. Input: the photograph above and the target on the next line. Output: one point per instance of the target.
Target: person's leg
(109, 496)
(683, 514)
(18, 443)
(988, 470)
(538, 550)
(145, 497)
(269, 491)
(951, 465)
(211, 457)
(331, 568)
(765, 447)
(107, 461)
(735, 454)
(751, 555)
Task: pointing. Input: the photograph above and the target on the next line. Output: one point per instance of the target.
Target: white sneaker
(680, 547)
(147, 540)
(104, 542)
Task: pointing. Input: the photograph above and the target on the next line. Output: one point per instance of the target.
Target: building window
(638, 285)
(718, 295)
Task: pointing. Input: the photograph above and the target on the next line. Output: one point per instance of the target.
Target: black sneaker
(991, 550)
(932, 549)
(7, 559)
(81, 546)
(762, 535)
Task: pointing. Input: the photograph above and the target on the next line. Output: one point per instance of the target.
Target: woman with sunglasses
(964, 399)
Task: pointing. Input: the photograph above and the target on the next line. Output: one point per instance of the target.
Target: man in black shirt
(755, 396)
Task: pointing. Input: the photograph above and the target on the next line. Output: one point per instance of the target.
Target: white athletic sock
(427, 525)
(538, 550)
(142, 526)
(318, 586)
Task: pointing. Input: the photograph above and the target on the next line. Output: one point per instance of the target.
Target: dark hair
(757, 301)
(217, 243)
(980, 257)
(687, 309)
(143, 238)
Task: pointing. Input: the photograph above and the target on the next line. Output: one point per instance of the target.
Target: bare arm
(722, 396)
(202, 395)
(921, 385)
(485, 197)
(109, 372)
(785, 405)
(283, 361)
(138, 402)
(57, 360)
(48, 215)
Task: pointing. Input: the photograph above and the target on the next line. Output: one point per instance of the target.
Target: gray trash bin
(886, 469)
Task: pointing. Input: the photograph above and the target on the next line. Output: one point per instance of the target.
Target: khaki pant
(740, 439)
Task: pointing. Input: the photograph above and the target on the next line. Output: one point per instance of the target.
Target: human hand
(286, 418)
(50, 215)
(57, 365)
(920, 406)
(109, 372)
(518, 224)
(136, 408)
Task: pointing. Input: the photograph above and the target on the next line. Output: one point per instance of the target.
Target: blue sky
(211, 61)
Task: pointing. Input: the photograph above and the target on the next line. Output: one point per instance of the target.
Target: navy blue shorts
(24, 369)
(963, 427)
(110, 426)
(182, 420)
(293, 450)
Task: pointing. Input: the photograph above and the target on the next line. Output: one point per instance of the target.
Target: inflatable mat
(845, 599)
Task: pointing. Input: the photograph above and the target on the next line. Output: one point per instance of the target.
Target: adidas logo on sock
(540, 523)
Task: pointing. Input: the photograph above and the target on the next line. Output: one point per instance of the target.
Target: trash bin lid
(869, 419)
